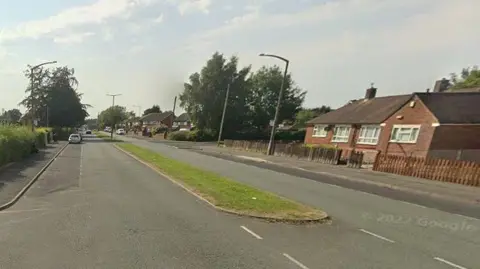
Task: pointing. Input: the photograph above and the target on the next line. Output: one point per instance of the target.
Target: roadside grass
(225, 193)
(106, 137)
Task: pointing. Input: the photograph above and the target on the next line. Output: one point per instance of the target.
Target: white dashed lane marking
(251, 232)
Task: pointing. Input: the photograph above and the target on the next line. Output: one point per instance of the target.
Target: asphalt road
(98, 208)
(417, 234)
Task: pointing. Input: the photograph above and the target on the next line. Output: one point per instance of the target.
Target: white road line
(295, 261)
(377, 236)
(250, 232)
(80, 175)
(449, 263)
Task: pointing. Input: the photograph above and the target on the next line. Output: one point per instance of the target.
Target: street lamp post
(279, 102)
(31, 89)
(223, 113)
(113, 105)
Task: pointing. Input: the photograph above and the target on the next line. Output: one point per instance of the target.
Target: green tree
(307, 114)
(153, 109)
(469, 78)
(12, 115)
(54, 95)
(204, 96)
(265, 88)
(112, 116)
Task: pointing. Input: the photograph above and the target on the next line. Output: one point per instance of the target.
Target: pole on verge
(223, 114)
(271, 142)
(113, 105)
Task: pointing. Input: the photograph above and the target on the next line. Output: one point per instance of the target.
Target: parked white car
(120, 132)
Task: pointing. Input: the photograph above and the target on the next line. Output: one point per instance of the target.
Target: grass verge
(227, 194)
(106, 137)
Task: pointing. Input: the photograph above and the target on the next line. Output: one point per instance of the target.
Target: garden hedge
(18, 142)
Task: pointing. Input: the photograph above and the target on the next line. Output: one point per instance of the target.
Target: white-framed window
(405, 133)
(319, 131)
(341, 133)
(369, 134)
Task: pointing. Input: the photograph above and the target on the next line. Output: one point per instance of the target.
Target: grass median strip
(106, 137)
(225, 193)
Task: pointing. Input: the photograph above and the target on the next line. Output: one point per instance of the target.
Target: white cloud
(136, 49)
(95, 13)
(73, 38)
(158, 19)
(108, 34)
(444, 24)
(191, 6)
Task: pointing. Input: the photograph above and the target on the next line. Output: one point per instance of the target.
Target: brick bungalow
(434, 124)
(158, 119)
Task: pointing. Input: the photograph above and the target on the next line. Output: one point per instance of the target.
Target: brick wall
(416, 115)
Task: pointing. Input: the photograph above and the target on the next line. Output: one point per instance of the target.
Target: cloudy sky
(145, 49)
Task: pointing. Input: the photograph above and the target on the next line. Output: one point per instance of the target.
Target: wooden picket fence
(460, 172)
(288, 149)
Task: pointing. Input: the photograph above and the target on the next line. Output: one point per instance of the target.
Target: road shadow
(16, 175)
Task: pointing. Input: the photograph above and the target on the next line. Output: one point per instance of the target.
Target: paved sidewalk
(16, 176)
(444, 190)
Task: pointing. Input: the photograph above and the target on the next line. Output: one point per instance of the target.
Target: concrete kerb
(322, 219)
(30, 183)
(384, 185)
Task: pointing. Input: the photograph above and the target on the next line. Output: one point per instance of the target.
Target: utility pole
(113, 105)
(223, 114)
(47, 117)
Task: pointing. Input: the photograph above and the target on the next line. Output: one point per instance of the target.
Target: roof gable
(156, 116)
(372, 111)
(182, 117)
(453, 107)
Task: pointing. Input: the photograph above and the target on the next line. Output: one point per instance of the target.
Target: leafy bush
(63, 133)
(15, 143)
(196, 135)
(201, 135)
(265, 135)
(179, 136)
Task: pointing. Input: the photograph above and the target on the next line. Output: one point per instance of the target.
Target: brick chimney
(441, 85)
(370, 93)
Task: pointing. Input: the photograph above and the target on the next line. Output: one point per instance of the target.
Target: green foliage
(307, 114)
(15, 143)
(153, 109)
(252, 98)
(265, 88)
(54, 93)
(112, 116)
(179, 136)
(203, 97)
(265, 135)
(11, 116)
(469, 78)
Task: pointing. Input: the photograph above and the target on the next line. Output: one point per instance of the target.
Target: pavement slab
(16, 176)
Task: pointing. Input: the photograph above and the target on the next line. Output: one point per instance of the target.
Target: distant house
(433, 124)
(182, 121)
(158, 119)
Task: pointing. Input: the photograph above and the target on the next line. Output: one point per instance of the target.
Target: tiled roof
(182, 117)
(156, 116)
(453, 107)
(372, 111)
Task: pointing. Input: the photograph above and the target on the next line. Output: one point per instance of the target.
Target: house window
(341, 134)
(405, 133)
(369, 135)
(319, 131)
